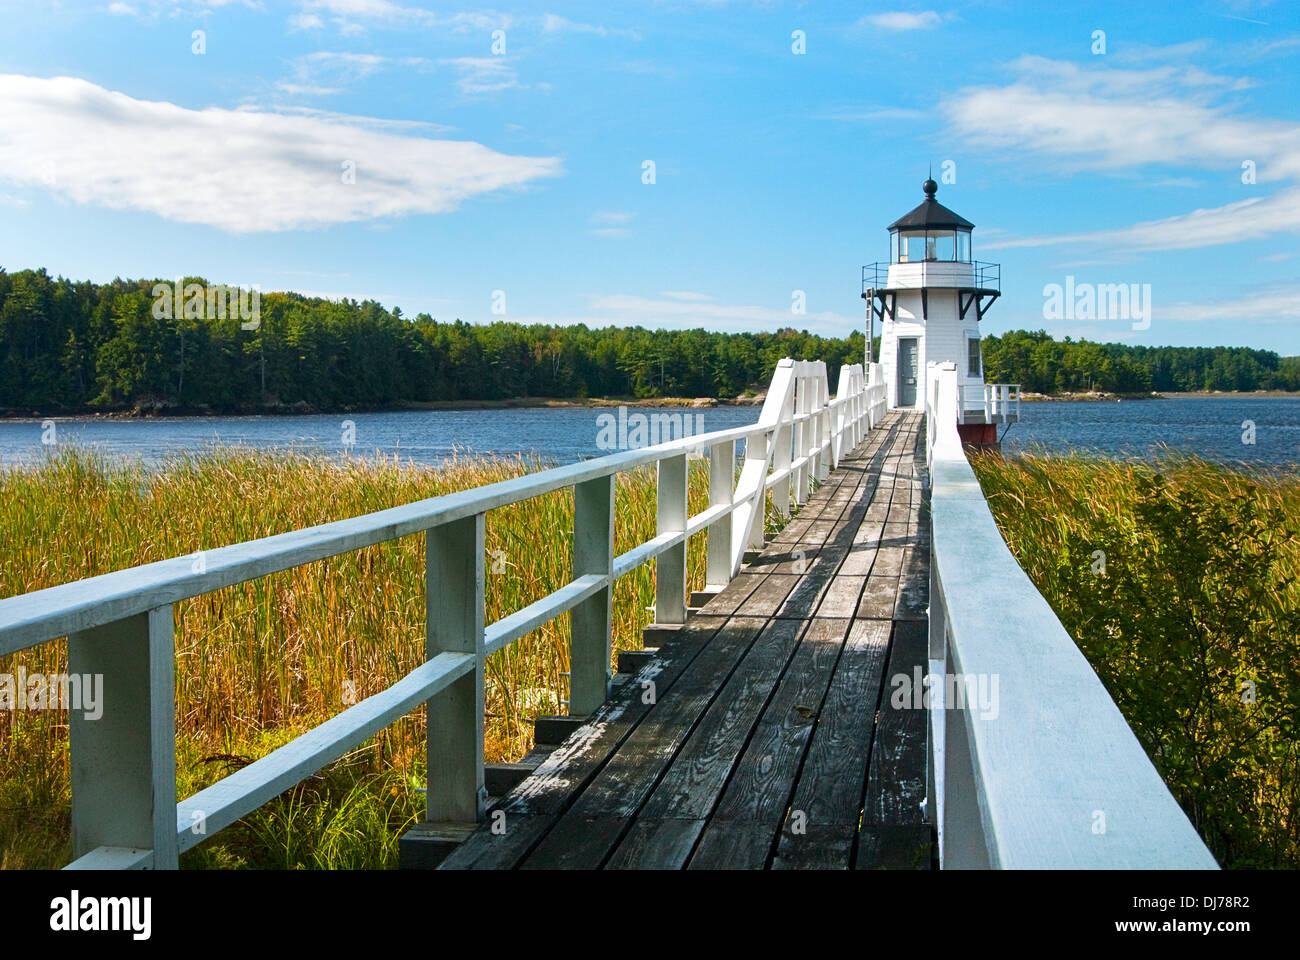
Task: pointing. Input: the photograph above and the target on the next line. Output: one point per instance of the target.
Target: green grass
(1193, 623)
(260, 663)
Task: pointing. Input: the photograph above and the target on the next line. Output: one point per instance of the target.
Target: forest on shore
(69, 347)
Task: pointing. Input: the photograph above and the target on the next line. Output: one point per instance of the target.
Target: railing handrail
(1056, 778)
(120, 623)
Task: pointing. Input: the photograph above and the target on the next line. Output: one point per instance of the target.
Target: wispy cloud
(610, 223)
(483, 75)
(899, 20)
(699, 310)
(330, 72)
(353, 16)
(239, 170)
(1117, 120)
(553, 23)
(1276, 304)
(872, 114)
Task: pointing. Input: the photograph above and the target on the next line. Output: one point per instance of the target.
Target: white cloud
(898, 20)
(481, 75)
(1279, 304)
(1116, 120)
(329, 72)
(617, 217)
(700, 311)
(1252, 219)
(610, 223)
(240, 170)
(553, 23)
(352, 16)
(873, 114)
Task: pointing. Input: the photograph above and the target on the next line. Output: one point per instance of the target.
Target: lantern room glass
(917, 246)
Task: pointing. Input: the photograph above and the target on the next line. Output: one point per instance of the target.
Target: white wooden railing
(1052, 776)
(990, 403)
(125, 812)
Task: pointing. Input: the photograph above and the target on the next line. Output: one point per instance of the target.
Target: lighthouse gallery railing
(125, 812)
(1053, 776)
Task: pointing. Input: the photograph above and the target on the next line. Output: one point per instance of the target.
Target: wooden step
(554, 729)
(631, 661)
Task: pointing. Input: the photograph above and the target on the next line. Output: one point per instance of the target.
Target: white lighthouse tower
(929, 299)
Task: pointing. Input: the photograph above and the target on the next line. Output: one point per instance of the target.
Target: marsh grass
(262, 662)
(1193, 622)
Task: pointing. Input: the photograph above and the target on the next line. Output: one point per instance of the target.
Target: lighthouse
(928, 300)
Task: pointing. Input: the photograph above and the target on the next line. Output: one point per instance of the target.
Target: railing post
(780, 456)
(670, 517)
(454, 607)
(722, 490)
(761, 454)
(821, 469)
(124, 761)
(755, 521)
(590, 622)
(802, 405)
(840, 435)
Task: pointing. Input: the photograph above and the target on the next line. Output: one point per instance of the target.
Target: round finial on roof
(930, 188)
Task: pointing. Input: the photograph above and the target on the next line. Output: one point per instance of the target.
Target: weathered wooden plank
(767, 596)
(733, 595)
(896, 779)
(533, 807)
(833, 778)
(656, 845)
(764, 778)
(895, 847)
(841, 597)
(734, 845)
(576, 843)
(623, 784)
(819, 846)
(914, 585)
(879, 598)
(693, 782)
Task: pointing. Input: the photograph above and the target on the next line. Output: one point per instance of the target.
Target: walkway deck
(761, 735)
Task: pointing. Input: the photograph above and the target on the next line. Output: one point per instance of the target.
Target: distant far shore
(1096, 395)
(155, 411)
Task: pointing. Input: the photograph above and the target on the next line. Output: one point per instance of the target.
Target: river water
(1213, 427)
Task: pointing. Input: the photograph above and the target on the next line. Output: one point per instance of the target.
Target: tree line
(139, 344)
(1044, 365)
(133, 344)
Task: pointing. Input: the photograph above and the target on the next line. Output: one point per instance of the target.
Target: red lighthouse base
(978, 434)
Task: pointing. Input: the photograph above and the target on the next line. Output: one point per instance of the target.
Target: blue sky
(123, 152)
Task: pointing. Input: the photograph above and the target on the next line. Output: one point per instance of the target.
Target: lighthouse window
(973, 356)
(914, 248)
(963, 245)
(941, 246)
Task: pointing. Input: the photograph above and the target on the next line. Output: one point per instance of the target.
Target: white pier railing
(990, 403)
(1050, 775)
(125, 812)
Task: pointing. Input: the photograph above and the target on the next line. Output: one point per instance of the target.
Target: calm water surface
(561, 434)
(1211, 427)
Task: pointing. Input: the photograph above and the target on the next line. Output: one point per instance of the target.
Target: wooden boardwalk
(761, 734)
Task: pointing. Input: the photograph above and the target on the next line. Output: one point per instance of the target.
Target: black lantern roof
(931, 214)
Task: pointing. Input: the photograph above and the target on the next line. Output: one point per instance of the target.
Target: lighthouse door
(907, 371)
